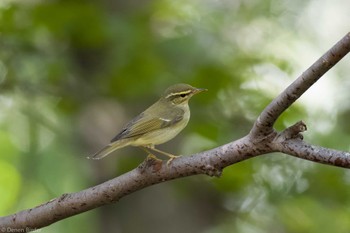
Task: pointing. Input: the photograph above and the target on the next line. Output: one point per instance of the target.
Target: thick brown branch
(150, 172)
(264, 124)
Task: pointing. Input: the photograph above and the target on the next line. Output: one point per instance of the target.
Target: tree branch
(264, 124)
(314, 153)
(150, 172)
(262, 139)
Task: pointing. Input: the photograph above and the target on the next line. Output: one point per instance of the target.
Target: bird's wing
(145, 124)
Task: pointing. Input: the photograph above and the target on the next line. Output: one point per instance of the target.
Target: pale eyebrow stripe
(178, 93)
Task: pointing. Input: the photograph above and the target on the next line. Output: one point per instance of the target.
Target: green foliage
(73, 72)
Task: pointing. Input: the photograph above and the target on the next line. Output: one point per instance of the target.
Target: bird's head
(180, 93)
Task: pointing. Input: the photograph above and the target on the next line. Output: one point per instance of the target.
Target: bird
(158, 124)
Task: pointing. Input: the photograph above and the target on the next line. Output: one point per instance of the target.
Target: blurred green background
(73, 72)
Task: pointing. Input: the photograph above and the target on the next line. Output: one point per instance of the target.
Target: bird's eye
(183, 95)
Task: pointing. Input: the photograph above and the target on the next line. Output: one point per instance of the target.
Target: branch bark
(262, 139)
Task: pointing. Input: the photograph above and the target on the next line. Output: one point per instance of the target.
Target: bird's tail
(108, 149)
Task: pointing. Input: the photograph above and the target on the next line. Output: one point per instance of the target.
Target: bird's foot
(172, 157)
(151, 161)
(152, 157)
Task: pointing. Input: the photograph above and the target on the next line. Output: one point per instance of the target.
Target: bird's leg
(150, 155)
(171, 156)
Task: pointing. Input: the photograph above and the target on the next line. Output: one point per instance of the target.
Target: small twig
(292, 132)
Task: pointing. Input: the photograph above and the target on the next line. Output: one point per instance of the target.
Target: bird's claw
(171, 159)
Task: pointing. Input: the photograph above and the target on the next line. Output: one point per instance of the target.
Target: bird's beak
(199, 90)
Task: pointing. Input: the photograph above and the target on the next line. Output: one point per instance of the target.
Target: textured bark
(262, 139)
